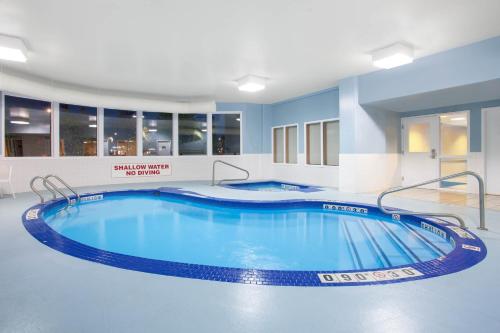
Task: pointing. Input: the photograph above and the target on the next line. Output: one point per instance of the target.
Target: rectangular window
(313, 143)
(278, 145)
(291, 144)
(157, 134)
(120, 132)
(77, 130)
(27, 127)
(192, 134)
(331, 138)
(226, 134)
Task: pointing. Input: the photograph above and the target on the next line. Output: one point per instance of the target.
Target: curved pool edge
(469, 249)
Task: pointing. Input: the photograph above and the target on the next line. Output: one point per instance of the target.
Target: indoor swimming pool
(292, 242)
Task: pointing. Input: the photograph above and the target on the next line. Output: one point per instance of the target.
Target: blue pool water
(273, 186)
(179, 230)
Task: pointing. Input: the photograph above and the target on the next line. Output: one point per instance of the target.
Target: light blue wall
(258, 119)
(478, 62)
(365, 130)
(318, 106)
(475, 118)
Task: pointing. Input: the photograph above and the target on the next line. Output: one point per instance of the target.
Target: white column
(139, 133)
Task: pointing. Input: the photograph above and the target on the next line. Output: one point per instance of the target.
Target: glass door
(454, 148)
(420, 160)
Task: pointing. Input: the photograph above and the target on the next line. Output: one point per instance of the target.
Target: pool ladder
(228, 180)
(52, 188)
(482, 222)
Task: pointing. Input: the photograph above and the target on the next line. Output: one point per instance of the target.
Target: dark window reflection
(77, 130)
(120, 128)
(27, 127)
(157, 134)
(192, 134)
(226, 134)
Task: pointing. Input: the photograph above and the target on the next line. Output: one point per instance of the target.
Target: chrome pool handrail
(482, 222)
(48, 184)
(35, 190)
(227, 180)
(59, 179)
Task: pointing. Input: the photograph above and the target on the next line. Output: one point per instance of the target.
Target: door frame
(484, 169)
(438, 148)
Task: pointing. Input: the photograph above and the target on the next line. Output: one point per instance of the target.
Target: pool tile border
(469, 249)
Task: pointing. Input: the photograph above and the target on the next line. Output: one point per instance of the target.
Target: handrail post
(482, 218)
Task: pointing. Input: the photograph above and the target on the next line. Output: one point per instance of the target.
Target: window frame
(56, 110)
(53, 123)
(140, 125)
(55, 130)
(209, 135)
(210, 144)
(322, 152)
(285, 153)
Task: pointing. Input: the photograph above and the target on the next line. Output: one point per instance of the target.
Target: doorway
(435, 146)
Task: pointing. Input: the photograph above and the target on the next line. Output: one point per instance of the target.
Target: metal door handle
(433, 153)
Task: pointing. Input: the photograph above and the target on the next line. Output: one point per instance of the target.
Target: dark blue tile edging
(458, 259)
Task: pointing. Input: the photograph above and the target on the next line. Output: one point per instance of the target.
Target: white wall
(320, 175)
(86, 171)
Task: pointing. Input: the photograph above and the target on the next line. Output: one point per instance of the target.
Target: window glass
(291, 144)
(27, 127)
(120, 130)
(77, 130)
(226, 134)
(331, 135)
(278, 147)
(192, 134)
(419, 138)
(157, 134)
(454, 134)
(313, 143)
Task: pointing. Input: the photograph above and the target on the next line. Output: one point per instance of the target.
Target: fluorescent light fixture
(12, 49)
(393, 56)
(458, 119)
(238, 119)
(251, 83)
(203, 129)
(93, 125)
(152, 130)
(20, 122)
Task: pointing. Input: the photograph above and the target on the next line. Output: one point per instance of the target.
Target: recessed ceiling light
(12, 49)
(393, 56)
(251, 83)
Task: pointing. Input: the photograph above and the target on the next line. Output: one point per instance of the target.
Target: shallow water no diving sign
(126, 170)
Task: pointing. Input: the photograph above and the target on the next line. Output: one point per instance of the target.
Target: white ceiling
(197, 48)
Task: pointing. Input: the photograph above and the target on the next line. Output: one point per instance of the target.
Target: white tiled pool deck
(43, 290)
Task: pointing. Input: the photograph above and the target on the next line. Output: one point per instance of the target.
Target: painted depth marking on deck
(370, 276)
